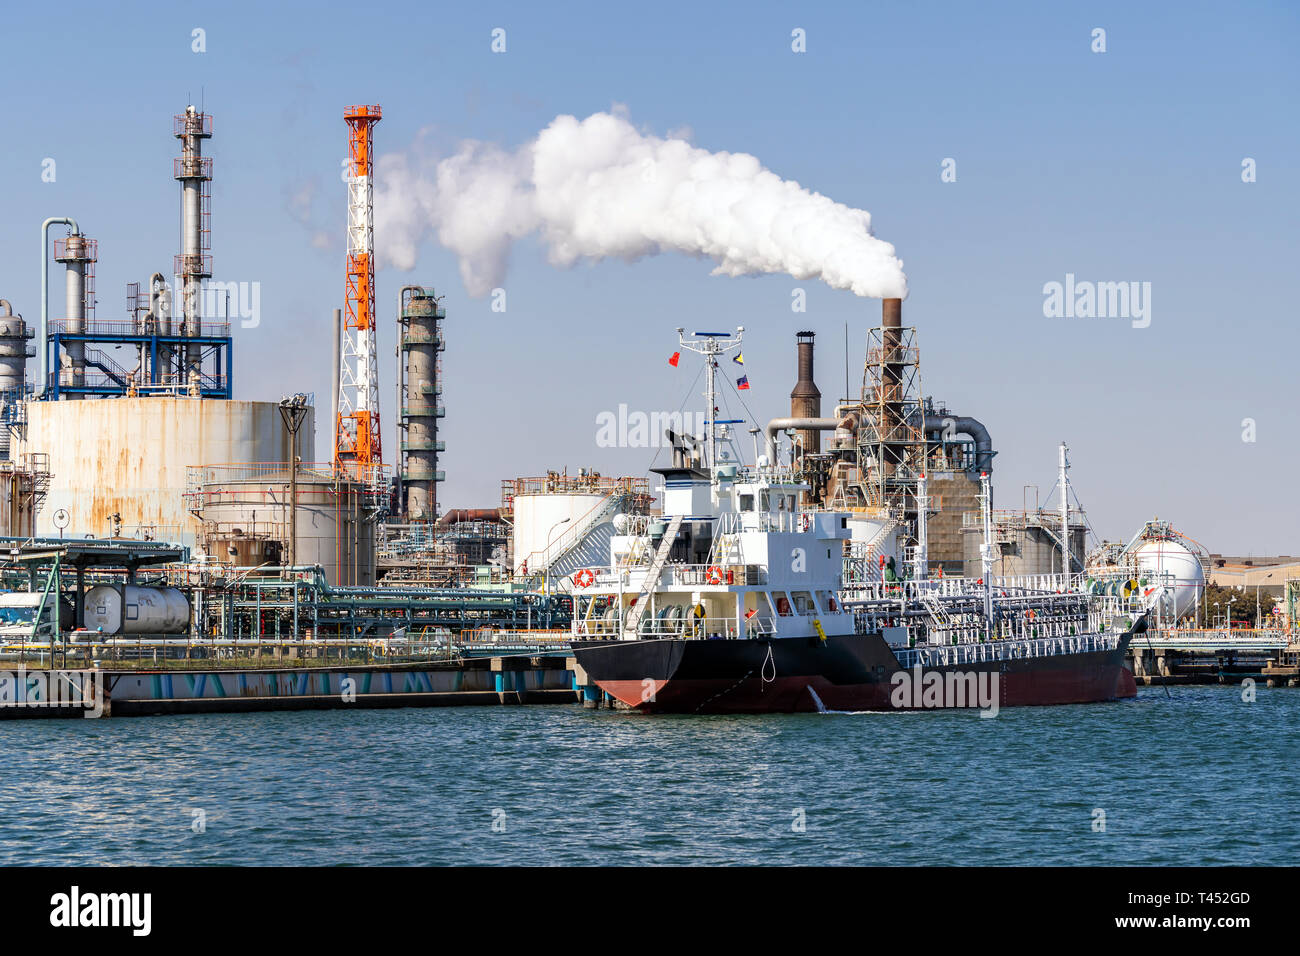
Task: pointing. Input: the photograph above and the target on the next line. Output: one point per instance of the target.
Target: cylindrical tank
(128, 609)
(1170, 556)
(1020, 548)
(130, 456)
(13, 366)
(871, 528)
(540, 523)
(246, 507)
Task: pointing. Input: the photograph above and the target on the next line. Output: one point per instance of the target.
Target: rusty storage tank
(128, 609)
(129, 457)
(244, 517)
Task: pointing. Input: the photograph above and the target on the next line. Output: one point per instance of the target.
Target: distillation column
(419, 342)
(194, 264)
(13, 369)
(78, 254)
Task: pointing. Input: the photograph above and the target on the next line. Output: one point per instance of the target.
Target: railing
(570, 484)
(1227, 639)
(93, 327)
(202, 481)
(1015, 588)
(732, 522)
(992, 651)
(690, 575)
(708, 628)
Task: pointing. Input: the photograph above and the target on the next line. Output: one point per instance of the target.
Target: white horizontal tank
(127, 609)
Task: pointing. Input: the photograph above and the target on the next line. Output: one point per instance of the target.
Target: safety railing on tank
(208, 328)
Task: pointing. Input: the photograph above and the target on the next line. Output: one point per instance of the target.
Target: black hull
(846, 672)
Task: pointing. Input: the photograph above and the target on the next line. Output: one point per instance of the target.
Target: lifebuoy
(585, 578)
(714, 575)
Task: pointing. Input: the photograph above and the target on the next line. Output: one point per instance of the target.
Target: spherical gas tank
(1170, 556)
(135, 610)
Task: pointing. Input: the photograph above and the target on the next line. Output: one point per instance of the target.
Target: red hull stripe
(791, 694)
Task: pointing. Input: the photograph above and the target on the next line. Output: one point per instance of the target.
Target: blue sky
(1115, 166)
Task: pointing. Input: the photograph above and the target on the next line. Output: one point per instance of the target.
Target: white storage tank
(1168, 555)
(557, 512)
(866, 528)
(128, 609)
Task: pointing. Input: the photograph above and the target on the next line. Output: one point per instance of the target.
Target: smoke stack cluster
(806, 398)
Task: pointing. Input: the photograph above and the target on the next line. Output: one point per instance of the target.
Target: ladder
(937, 612)
(637, 610)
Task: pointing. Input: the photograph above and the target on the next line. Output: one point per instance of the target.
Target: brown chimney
(891, 376)
(806, 399)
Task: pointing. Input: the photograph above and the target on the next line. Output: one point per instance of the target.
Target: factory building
(881, 443)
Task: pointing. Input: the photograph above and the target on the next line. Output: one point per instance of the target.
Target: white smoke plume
(597, 188)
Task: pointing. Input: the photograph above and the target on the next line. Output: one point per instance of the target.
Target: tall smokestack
(891, 378)
(806, 399)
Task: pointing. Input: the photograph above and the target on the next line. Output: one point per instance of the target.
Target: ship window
(767, 503)
(746, 502)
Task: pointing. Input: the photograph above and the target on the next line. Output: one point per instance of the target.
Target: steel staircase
(651, 578)
(561, 558)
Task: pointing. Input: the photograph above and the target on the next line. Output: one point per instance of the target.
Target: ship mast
(1064, 481)
(710, 345)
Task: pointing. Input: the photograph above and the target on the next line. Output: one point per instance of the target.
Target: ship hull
(845, 672)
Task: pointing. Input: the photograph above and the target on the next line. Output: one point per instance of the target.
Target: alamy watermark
(1075, 299)
(637, 429)
(216, 300)
(918, 690)
(55, 688)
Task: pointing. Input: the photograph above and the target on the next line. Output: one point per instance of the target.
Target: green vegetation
(1243, 606)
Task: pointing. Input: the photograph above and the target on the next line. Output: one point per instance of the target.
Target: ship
(749, 594)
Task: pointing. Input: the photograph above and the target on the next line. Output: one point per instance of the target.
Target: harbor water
(1196, 777)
